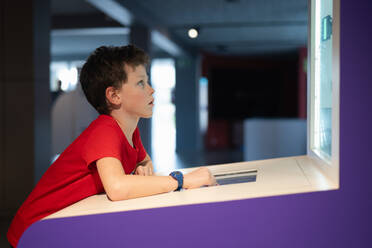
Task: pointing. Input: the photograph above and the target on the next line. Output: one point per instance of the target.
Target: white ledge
(280, 176)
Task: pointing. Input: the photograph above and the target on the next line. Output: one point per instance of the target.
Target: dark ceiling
(231, 27)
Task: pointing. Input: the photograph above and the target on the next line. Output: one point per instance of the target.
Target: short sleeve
(138, 144)
(103, 141)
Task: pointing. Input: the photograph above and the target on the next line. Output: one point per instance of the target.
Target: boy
(107, 154)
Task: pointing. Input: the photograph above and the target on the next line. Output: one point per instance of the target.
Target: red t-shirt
(73, 176)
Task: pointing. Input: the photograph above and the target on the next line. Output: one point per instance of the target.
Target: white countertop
(278, 176)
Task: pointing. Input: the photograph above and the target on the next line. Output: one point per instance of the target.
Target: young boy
(108, 156)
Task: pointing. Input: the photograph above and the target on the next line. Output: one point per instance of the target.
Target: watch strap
(177, 175)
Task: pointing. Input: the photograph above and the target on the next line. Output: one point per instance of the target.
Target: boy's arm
(119, 186)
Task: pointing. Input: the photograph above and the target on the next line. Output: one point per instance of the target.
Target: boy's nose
(152, 90)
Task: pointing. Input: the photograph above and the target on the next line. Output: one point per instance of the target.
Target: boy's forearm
(135, 186)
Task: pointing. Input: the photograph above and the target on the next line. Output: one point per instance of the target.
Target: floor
(174, 161)
(209, 158)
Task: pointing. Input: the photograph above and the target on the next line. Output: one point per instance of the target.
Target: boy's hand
(144, 170)
(197, 178)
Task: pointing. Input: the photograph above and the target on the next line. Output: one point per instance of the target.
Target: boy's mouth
(152, 102)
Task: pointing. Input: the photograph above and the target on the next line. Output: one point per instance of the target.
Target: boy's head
(105, 68)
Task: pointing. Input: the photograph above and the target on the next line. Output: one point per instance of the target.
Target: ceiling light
(193, 33)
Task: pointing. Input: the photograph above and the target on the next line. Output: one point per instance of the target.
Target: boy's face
(136, 93)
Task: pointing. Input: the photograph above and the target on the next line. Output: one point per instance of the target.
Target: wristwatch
(177, 175)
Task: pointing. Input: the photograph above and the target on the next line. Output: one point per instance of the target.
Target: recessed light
(193, 33)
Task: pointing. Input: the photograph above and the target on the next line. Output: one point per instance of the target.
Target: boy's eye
(141, 83)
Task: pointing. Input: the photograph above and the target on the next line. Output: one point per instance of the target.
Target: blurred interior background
(229, 75)
(229, 79)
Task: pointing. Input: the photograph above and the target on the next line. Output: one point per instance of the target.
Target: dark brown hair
(105, 68)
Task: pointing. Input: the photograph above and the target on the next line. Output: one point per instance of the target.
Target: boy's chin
(147, 116)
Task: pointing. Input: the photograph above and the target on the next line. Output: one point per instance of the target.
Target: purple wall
(340, 218)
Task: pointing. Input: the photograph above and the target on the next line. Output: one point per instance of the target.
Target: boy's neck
(127, 124)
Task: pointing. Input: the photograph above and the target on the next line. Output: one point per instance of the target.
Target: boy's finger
(140, 171)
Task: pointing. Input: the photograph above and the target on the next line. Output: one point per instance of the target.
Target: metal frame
(329, 167)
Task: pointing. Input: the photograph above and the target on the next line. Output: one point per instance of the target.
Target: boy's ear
(112, 96)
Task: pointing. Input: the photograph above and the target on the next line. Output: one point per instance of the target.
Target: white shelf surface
(280, 176)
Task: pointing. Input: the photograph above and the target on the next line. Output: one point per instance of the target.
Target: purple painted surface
(340, 218)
